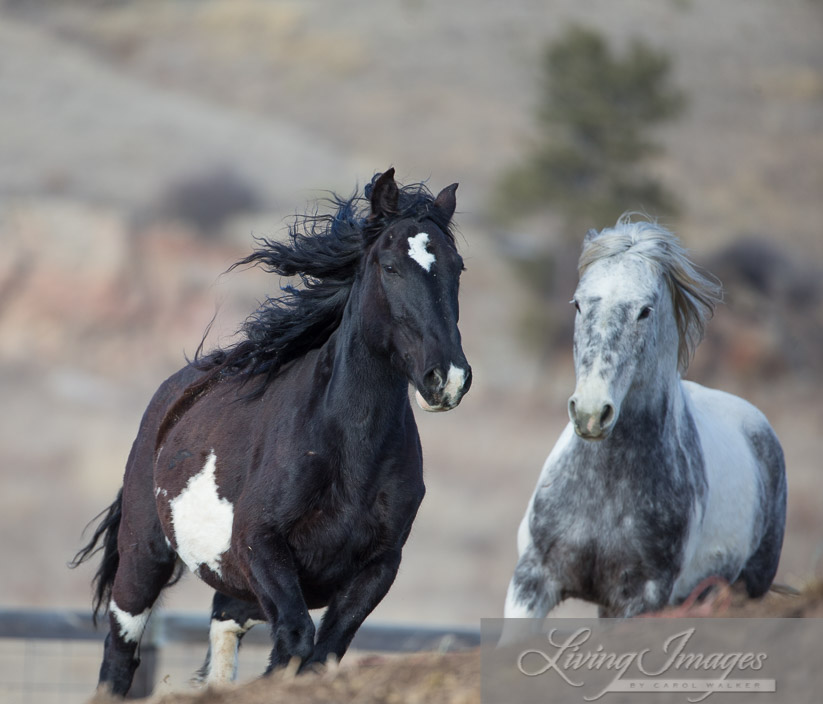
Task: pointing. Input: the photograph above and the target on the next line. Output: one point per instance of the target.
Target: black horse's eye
(389, 269)
(645, 313)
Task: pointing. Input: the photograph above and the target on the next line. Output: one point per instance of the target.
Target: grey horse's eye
(645, 313)
(576, 304)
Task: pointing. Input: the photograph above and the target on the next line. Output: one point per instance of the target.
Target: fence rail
(181, 628)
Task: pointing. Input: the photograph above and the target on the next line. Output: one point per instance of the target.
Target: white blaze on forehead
(202, 520)
(131, 625)
(418, 251)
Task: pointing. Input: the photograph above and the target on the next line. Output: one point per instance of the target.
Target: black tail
(107, 530)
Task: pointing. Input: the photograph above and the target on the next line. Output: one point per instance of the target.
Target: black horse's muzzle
(442, 389)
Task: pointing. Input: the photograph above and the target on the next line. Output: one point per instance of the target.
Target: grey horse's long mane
(694, 293)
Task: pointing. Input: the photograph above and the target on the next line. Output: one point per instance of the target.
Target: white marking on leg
(131, 625)
(224, 646)
(418, 251)
(514, 629)
(454, 382)
(224, 638)
(651, 593)
(514, 608)
(202, 520)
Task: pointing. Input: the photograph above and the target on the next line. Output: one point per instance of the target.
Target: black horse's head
(412, 273)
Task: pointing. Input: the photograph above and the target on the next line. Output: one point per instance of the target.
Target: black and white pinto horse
(656, 483)
(286, 471)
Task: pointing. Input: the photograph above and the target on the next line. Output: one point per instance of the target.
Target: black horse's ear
(384, 195)
(446, 202)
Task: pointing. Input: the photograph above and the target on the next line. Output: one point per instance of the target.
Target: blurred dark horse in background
(286, 470)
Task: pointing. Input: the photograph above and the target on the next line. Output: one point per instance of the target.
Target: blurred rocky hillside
(144, 144)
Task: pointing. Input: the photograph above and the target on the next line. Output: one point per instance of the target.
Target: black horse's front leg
(273, 578)
(351, 605)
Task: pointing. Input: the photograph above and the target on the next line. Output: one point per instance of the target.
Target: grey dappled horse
(656, 483)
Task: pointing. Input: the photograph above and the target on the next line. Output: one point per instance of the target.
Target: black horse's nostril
(435, 378)
(606, 415)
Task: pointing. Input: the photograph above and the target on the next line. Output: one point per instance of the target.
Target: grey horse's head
(641, 307)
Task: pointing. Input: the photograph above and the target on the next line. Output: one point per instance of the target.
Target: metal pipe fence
(52, 656)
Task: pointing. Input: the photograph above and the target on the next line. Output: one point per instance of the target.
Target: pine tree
(593, 133)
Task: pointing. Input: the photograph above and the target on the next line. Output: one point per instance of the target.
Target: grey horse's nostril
(572, 407)
(606, 415)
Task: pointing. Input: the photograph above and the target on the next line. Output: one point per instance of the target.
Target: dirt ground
(446, 678)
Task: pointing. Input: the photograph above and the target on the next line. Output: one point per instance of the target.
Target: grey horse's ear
(590, 235)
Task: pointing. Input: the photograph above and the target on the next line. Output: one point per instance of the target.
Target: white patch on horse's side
(418, 251)
(454, 382)
(202, 520)
(722, 538)
(131, 625)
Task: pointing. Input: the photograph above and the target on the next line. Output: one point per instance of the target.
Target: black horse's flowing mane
(325, 250)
